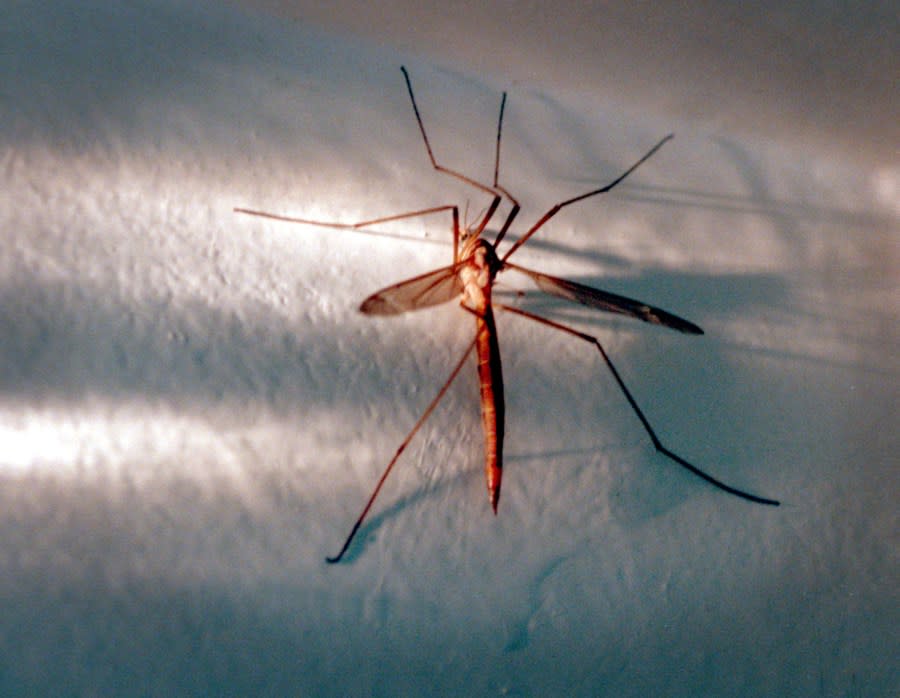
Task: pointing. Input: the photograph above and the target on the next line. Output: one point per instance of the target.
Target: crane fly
(470, 278)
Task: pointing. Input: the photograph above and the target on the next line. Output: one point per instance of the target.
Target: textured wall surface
(192, 412)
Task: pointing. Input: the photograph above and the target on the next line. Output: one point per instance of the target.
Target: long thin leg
(562, 204)
(387, 470)
(495, 191)
(637, 410)
(515, 204)
(363, 224)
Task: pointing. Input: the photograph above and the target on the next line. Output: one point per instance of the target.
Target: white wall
(193, 412)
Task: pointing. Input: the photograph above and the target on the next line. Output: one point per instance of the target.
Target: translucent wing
(433, 288)
(603, 300)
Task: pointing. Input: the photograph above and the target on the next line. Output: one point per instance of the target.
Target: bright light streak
(67, 441)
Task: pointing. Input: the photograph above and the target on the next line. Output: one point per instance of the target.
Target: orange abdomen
(490, 376)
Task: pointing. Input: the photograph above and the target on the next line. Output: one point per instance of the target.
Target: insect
(470, 278)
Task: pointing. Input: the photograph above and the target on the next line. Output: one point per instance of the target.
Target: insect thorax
(478, 272)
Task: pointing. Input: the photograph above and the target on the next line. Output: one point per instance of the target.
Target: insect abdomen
(490, 376)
